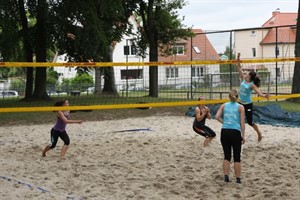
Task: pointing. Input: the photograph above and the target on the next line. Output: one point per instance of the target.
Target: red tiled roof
(281, 19)
(207, 51)
(285, 34)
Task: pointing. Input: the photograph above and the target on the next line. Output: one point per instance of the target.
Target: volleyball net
(178, 83)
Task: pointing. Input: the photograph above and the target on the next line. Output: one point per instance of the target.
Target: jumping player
(250, 82)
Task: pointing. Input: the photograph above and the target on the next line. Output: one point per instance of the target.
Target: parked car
(91, 90)
(9, 93)
(184, 86)
(135, 88)
(56, 93)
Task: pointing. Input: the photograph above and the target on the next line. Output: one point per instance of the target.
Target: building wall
(246, 40)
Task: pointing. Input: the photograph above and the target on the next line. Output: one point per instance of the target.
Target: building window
(277, 51)
(178, 50)
(278, 72)
(253, 52)
(196, 49)
(130, 49)
(197, 71)
(132, 74)
(171, 72)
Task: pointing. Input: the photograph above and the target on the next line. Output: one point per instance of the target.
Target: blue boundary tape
(134, 130)
(32, 186)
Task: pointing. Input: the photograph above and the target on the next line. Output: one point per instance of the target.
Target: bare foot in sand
(206, 142)
(259, 136)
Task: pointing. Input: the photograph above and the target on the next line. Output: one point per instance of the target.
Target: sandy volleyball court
(159, 157)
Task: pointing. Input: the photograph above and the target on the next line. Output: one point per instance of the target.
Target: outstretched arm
(238, 67)
(257, 90)
(68, 121)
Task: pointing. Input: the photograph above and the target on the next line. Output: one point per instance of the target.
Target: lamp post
(126, 53)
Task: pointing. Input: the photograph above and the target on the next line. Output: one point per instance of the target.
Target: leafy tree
(19, 40)
(161, 27)
(4, 72)
(52, 76)
(28, 47)
(82, 81)
(296, 78)
(87, 31)
(18, 84)
(229, 68)
(65, 85)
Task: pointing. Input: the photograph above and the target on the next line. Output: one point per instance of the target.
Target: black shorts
(57, 134)
(205, 131)
(231, 139)
(249, 113)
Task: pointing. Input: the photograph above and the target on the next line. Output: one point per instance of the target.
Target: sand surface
(157, 157)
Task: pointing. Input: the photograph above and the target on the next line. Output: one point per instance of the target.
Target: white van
(9, 93)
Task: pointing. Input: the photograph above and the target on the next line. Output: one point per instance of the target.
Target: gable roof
(281, 19)
(207, 51)
(285, 34)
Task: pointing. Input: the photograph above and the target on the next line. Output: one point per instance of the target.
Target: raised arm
(238, 67)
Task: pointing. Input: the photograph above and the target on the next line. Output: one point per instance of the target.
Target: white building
(261, 43)
(137, 77)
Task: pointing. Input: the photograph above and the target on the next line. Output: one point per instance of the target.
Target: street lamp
(196, 49)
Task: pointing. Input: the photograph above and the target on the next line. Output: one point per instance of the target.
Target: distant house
(197, 48)
(137, 77)
(124, 51)
(261, 43)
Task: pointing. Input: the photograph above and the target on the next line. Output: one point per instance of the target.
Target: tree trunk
(296, 78)
(41, 48)
(27, 49)
(109, 82)
(153, 70)
(153, 43)
(98, 81)
(109, 77)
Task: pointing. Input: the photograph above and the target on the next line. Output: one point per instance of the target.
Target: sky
(232, 14)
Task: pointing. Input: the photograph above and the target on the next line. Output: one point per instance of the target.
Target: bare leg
(47, 148)
(226, 167)
(259, 135)
(237, 169)
(63, 151)
(206, 141)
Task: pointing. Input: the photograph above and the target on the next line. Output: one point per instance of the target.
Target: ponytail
(254, 78)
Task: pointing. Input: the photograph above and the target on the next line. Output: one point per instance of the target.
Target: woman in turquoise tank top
(232, 116)
(250, 82)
